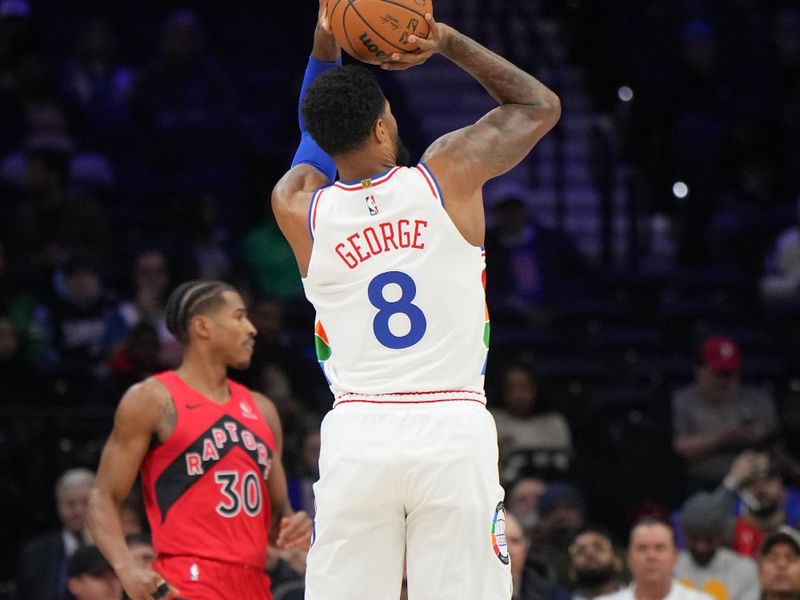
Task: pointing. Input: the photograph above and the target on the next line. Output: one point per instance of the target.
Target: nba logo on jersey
(372, 205)
(194, 572)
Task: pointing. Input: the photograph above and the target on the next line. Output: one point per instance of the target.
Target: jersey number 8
(386, 309)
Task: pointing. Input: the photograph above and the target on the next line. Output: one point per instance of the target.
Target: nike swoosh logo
(191, 406)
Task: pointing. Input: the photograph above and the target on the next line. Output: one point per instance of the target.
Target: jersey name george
(205, 487)
(398, 292)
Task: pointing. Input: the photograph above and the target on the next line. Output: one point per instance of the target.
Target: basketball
(373, 30)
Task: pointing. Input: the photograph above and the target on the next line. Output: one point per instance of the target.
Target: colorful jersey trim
(429, 177)
(312, 211)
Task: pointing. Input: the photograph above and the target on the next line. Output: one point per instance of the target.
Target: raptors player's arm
(463, 160)
(289, 530)
(146, 410)
(292, 194)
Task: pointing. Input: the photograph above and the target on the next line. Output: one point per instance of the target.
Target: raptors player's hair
(341, 106)
(190, 299)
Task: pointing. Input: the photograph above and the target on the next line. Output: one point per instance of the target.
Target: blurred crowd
(648, 422)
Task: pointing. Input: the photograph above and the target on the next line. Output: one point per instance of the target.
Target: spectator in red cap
(716, 417)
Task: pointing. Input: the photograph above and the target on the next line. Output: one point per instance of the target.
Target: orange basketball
(373, 30)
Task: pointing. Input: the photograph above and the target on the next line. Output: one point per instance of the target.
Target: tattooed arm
(463, 160)
(146, 410)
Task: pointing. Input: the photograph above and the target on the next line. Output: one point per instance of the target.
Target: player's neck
(209, 378)
(363, 164)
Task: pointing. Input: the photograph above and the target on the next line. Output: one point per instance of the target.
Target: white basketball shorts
(419, 480)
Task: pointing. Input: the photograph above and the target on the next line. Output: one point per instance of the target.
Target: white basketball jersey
(398, 292)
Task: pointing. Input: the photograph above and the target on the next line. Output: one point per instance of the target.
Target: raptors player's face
(234, 334)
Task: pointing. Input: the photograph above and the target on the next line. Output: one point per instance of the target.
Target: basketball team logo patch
(499, 542)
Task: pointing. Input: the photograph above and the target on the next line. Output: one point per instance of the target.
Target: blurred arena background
(139, 145)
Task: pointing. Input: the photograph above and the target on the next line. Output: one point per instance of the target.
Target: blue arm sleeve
(309, 151)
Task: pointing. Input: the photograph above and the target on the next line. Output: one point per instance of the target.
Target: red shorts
(204, 579)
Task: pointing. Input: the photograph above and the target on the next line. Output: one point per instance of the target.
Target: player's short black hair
(341, 106)
(190, 299)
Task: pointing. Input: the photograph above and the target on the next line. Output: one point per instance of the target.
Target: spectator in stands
(525, 428)
(708, 565)
(49, 221)
(529, 266)
(141, 547)
(595, 567)
(280, 348)
(779, 565)
(764, 504)
(301, 490)
(184, 86)
(561, 516)
(533, 578)
(717, 416)
(15, 371)
(270, 261)
(132, 513)
(76, 320)
(137, 357)
(43, 565)
(523, 500)
(286, 570)
(651, 559)
(18, 305)
(96, 81)
(151, 281)
(211, 240)
(780, 282)
(786, 449)
(517, 550)
(91, 577)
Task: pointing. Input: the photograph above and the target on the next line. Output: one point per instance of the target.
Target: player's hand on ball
(144, 584)
(427, 47)
(294, 532)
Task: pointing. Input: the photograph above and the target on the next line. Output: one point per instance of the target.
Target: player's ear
(200, 327)
(380, 131)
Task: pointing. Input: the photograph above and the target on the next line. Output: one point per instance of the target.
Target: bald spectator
(91, 577)
(716, 417)
(651, 559)
(779, 565)
(707, 565)
(43, 572)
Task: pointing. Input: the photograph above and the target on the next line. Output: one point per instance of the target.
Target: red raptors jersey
(204, 488)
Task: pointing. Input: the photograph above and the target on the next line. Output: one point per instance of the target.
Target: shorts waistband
(410, 398)
(224, 563)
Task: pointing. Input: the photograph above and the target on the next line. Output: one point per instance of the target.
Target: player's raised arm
(465, 159)
(311, 168)
(142, 409)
